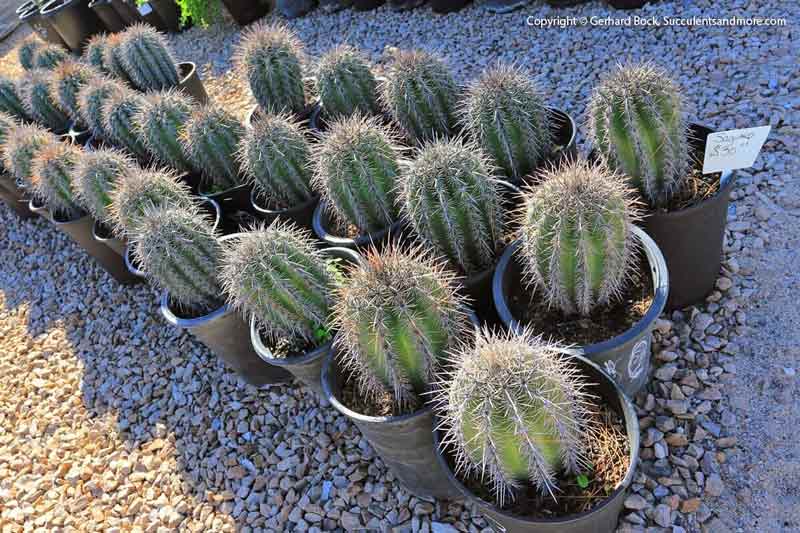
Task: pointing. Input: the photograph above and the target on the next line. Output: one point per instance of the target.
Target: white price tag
(145, 9)
(732, 149)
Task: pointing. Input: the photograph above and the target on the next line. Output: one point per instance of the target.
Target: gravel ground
(110, 419)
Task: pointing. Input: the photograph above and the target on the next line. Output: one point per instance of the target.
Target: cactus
(577, 245)
(27, 52)
(357, 171)
(10, 100)
(505, 113)
(178, 249)
(95, 53)
(420, 93)
(118, 113)
(275, 157)
(51, 177)
(95, 176)
(143, 189)
(278, 275)
(269, 57)
(146, 58)
(450, 200)
(159, 124)
(637, 122)
(49, 56)
(113, 58)
(211, 138)
(20, 146)
(7, 124)
(91, 99)
(516, 411)
(397, 314)
(40, 103)
(68, 78)
(345, 83)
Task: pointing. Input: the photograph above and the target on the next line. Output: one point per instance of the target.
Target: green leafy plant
(118, 112)
(21, 145)
(10, 100)
(91, 98)
(95, 176)
(95, 53)
(39, 101)
(27, 52)
(51, 177)
(211, 138)
(147, 59)
(345, 83)
(160, 123)
(200, 12)
(68, 78)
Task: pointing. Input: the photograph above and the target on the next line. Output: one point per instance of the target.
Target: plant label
(732, 149)
(145, 9)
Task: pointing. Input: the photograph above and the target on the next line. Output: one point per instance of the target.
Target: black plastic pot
(104, 9)
(147, 14)
(691, 239)
(447, 6)
(13, 197)
(169, 13)
(306, 367)
(29, 14)
(301, 215)
(246, 11)
(625, 357)
(321, 224)
(627, 4)
(132, 265)
(603, 518)
(404, 443)
(103, 234)
(37, 207)
(190, 83)
(128, 12)
(73, 20)
(310, 116)
(236, 210)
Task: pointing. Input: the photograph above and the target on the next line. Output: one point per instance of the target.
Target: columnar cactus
(504, 112)
(420, 93)
(147, 59)
(275, 157)
(397, 315)
(95, 53)
(142, 189)
(113, 57)
(7, 123)
(10, 100)
(357, 171)
(638, 125)
(516, 412)
(21, 145)
(577, 245)
(118, 112)
(51, 177)
(95, 176)
(68, 78)
(39, 101)
(211, 138)
(27, 52)
(91, 99)
(269, 57)
(278, 275)
(49, 56)
(345, 83)
(177, 248)
(450, 200)
(160, 122)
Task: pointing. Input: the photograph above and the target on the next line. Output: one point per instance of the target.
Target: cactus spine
(275, 156)
(505, 113)
(27, 52)
(146, 58)
(68, 78)
(118, 112)
(49, 56)
(345, 83)
(516, 412)
(577, 246)
(160, 123)
(51, 177)
(211, 138)
(113, 58)
(358, 173)
(637, 122)
(21, 145)
(95, 176)
(10, 100)
(453, 203)
(397, 315)
(178, 249)
(91, 99)
(278, 275)
(420, 93)
(270, 59)
(95, 53)
(39, 101)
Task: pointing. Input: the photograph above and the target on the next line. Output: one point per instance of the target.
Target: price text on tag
(729, 150)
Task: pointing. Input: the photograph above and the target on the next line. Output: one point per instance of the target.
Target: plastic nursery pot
(73, 20)
(307, 366)
(236, 210)
(625, 357)
(404, 443)
(305, 117)
(13, 196)
(325, 231)
(169, 13)
(145, 13)
(103, 234)
(189, 82)
(364, 5)
(603, 518)
(301, 215)
(37, 207)
(691, 239)
(105, 11)
(29, 14)
(127, 12)
(246, 11)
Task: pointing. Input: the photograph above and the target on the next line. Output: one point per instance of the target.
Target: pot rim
(362, 240)
(264, 211)
(189, 323)
(129, 262)
(630, 419)
(660, 277)
(727, 180)
(212, 196)
(187, 67)
(97, 224)
(570, 123)
(58, 221)
(54, 5)
(24, 6)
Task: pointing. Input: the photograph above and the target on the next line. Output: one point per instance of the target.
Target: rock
(714, 485)
(690, 505)
(662, 515)
(635, 502)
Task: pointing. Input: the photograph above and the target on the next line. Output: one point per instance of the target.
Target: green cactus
(49, 56)
(118, 112)
(275, 157)
(113, 61)
(345, 83)
(278, 275)
(147, 59)
(20, 146)
(358, 172)
(159, 124)
(39, 101)
(95, 53)
(577, 245)
(211, 138)
(638, 125)
(397, 315)
(420, 93)
(91, 99)
(51, 177)
(68, 78)
(27, 52)
(10, 100)
(177, 248)
(504, 112)
(451, 201)
(7, 124)
(270, 59)
(96, 175)
(516, 412)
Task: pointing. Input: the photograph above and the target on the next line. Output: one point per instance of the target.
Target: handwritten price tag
(729, 150)
(145, 9)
